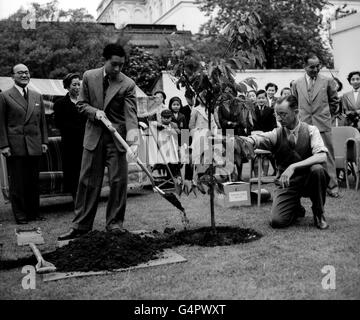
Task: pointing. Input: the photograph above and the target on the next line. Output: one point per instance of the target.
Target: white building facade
(184, 14)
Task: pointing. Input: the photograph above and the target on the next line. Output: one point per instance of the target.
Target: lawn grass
(283, 264)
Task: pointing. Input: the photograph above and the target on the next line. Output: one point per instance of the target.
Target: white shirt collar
(295, 131)
(20, 89)
(105, 74)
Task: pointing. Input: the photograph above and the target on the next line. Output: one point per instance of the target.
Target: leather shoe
(21, 221)
(301, 212)
(333, 193)
(72, 234)
(320, 222)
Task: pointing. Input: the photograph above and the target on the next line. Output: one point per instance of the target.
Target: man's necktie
(291, 139)
(105, 85)
(312, 83)
(25, 94)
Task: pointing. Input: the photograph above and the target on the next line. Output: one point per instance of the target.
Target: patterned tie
(25, 94)
(291, 139)
(105, 85)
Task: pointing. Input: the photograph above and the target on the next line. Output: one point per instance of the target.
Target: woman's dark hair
(162, 93)
(270, 84)
(68, 78)
(113, 49)
(339, 83)
(351, 74)
(172, 100)
(283, 89)
(261, 91)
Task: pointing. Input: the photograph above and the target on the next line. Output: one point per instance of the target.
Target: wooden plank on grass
(167, 257)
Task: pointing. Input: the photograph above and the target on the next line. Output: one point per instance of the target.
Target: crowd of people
(295, 127)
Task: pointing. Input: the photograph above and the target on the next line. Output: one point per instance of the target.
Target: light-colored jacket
(348, 102)
(317, 107)
(119, 106)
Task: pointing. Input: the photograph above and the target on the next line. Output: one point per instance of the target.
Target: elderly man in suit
(105, 92)
(23, 139)
(351, 100)
(318, 100)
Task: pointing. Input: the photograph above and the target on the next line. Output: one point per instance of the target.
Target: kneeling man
(301, 158)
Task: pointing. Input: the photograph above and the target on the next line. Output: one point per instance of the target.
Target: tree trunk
(211, 173)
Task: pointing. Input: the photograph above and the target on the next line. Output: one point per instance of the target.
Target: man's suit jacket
(119, 105)
(349, 103)
(265, 119)
(22, 123)
(316, 109)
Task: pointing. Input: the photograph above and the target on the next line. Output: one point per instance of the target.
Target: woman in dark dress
(72, 127)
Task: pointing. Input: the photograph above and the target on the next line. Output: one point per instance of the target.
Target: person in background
(318, 101)
(161, 95)
(175, 105)
(265, 116)
(157, 116)
(251, 95)
(186, 138)
(72, 128)
(168, 133)
(186, 110)
(338, 118)
(198, 126)
(285, 92)
(235, 118)
(251, 102)
(271, 89)
(23, 140)
(351, 99)
(264, 121)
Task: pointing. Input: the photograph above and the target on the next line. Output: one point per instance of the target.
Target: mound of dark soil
(224, 236)
(98, 251)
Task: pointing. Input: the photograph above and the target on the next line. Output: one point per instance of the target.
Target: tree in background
(61, 42)
(288, 28)
(143, 67)
(68, 41)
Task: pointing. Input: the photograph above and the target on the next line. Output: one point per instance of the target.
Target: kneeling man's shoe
(301, 212)
(72, 234)
(320, 222)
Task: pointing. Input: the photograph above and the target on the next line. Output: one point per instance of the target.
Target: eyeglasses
(20, 73)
